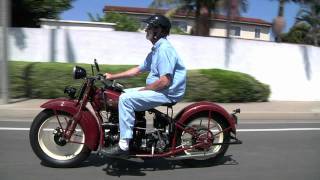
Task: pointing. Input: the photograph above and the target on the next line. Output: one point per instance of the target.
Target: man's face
(149, 33)
(152, 32)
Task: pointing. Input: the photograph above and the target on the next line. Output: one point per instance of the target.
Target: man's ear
(157, 33)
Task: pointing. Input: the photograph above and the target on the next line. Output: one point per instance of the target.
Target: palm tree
(310, 16)
(232, 9)
(279, 22)
(203, 10)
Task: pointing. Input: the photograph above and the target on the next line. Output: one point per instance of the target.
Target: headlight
(79, 72)
(71, 91)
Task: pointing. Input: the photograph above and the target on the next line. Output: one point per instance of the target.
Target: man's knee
(125, 98)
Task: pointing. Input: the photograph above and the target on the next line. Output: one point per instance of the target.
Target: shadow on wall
(69, 48)
(52, 45)
(20, 42)
(228, 51)
(306, 61)
(19, 37)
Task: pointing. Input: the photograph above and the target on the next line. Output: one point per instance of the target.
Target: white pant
(133, 100)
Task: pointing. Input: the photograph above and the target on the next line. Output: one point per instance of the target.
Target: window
(235, 31)
(257, 32)
(180, 24)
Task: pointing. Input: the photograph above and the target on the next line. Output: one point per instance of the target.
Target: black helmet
(159, 20)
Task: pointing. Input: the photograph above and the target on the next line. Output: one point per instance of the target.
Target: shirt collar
(158, 43)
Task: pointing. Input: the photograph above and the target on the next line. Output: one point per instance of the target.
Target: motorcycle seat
(169, 104)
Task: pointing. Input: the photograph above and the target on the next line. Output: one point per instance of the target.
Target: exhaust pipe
(197, 156)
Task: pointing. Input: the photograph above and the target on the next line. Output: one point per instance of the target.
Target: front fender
(87, 121)
(204, 106)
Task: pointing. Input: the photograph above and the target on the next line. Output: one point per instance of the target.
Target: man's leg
(136, 101)
(130, 102)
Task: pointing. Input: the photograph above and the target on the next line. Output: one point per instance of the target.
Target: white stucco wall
(77, 25)
(292, 71)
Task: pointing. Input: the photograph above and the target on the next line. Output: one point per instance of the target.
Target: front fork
(68, 131)
(72, 123)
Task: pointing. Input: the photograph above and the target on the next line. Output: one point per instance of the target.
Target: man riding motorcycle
(166, 82)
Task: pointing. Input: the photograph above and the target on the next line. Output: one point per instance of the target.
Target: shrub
(47, 80)
(225, 86)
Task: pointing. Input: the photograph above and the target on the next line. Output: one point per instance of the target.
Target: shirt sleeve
(166, 62)
(146, 65)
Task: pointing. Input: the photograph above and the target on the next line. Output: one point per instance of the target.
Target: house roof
(182, 14)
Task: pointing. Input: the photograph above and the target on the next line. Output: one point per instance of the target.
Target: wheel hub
(58, 137)
(203, 136)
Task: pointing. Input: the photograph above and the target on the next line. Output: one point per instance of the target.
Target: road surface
(272, 149)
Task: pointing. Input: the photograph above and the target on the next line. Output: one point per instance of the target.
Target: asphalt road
(272, 150)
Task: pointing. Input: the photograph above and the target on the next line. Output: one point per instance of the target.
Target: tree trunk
(316, 42)
(279, 22)
(232, 12)
(202, 21)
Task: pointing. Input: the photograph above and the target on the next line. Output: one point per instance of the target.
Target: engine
(156, 140)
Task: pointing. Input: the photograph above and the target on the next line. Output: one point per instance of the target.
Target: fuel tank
(112, 98)
(106, 99)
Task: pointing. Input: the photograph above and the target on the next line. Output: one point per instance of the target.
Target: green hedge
(47, 80)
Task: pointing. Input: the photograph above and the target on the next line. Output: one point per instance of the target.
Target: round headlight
(79, 72)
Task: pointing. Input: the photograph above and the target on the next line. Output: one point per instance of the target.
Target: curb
(273, 110)
(279, 116)
(32, 112)
(19, 113)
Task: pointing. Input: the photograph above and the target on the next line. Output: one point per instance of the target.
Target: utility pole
(4, 78)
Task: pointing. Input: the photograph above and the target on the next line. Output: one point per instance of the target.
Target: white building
(241, 27)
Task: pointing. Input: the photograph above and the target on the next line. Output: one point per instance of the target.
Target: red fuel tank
(112, 98)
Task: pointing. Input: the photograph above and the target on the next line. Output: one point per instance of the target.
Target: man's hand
(108, 76)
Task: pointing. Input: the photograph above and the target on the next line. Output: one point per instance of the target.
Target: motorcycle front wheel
(47, 139)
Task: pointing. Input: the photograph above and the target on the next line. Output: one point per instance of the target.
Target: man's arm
(129, 73)
(161, 83)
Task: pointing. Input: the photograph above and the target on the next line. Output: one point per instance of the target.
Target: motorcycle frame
(91, 122)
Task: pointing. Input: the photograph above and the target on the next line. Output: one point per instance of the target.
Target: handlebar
(102, 78)
(106, 82)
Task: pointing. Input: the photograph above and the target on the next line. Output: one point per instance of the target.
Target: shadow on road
(139, 167)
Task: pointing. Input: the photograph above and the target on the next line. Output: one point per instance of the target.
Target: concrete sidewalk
(284, 110)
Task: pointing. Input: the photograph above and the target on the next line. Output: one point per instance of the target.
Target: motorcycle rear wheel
(48, 143)
(209, 155)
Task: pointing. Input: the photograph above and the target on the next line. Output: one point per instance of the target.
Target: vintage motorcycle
(69, 129)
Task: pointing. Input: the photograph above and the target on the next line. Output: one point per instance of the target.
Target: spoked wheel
(205, 130)
(47, 139)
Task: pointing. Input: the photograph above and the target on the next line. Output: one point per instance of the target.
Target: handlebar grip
(101, 76)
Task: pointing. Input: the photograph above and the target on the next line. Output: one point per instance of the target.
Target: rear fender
(205, 107)
(87, 121)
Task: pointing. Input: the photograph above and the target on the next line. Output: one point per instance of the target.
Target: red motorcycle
(69, 129)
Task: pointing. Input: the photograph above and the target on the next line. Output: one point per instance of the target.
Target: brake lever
(101, 77)
(104, 80)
